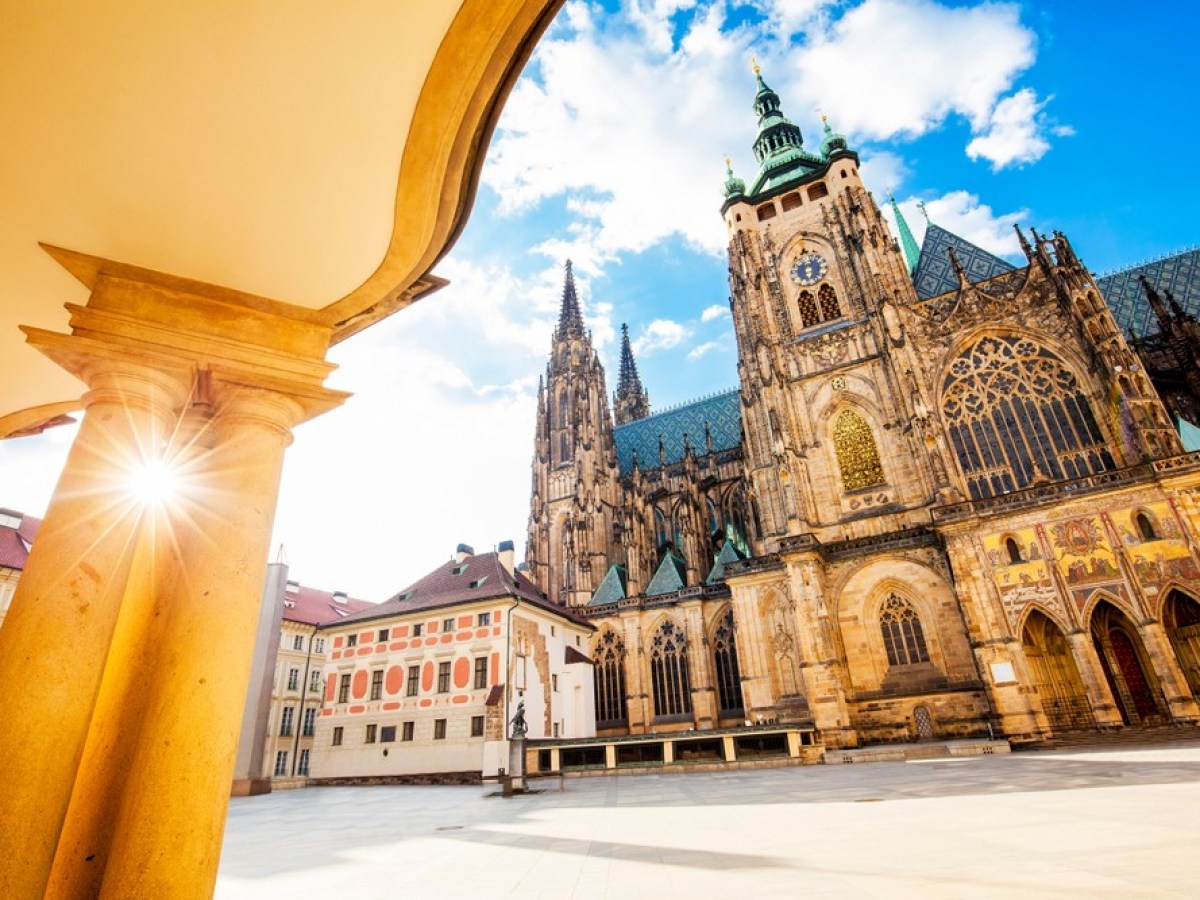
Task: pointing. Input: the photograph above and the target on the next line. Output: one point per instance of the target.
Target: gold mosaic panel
(857, 455)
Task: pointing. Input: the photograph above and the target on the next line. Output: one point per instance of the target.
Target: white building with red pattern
(425, 683)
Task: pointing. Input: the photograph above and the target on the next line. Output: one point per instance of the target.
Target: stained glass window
(609, 656)
(669, 671)
(729, 676)
(1016, 414)
(902, 634)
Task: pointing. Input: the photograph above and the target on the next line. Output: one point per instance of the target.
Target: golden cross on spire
(754, 64)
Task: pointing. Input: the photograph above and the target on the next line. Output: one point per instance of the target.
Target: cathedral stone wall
(958, 512)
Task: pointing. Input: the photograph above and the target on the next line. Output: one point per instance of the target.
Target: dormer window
(458, 570)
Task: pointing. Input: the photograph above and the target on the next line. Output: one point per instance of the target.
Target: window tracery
(1016, 413)
(903, 636)
(857, 455)
(809, 313)
(609, 656)
(669, 671)
(729, 676)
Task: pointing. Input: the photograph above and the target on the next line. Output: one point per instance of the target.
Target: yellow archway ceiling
(319, 154)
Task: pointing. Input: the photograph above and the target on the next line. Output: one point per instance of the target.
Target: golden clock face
(808, 269)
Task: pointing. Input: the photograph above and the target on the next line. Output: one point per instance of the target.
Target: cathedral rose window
(1016, 414)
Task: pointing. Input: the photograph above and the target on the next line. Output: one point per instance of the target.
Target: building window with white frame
(302, 765)
(293, 679)
(285, 722)
(281, 763)
(310, 722)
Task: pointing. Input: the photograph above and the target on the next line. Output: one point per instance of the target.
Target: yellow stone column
(55, 642)
(1180, 704)
(166, 837)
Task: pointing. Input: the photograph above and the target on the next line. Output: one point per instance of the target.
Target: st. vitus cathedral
(946, 495)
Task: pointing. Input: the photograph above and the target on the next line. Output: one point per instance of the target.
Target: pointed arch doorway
(1055, 675)
(1123, 659)
(1181, 617)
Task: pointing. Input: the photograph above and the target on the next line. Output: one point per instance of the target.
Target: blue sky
(1066, 115)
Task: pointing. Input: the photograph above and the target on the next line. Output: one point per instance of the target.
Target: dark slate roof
(574, 656)
(612, 588)
(15, 542)
(728, 554)
(313, 607)
(721, 412)
(480, 577)
(935, 275)
(1179, 274)
(670, 577)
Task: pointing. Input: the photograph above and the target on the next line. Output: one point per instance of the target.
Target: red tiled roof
(313, 607)
(14, 542)
(480, 577)
(574, 656)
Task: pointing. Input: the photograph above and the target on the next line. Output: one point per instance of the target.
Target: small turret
(630, 401)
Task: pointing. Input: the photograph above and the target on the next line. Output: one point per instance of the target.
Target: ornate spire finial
(754, 65)
(963, 281)
(570, 319)
(631, 400)
(924, 211)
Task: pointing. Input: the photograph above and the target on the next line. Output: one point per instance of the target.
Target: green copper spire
(912, 253)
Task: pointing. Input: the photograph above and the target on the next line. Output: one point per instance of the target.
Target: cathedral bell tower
(575, 484)
(835, 423)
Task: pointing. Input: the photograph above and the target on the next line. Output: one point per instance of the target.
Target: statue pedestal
(514, 781)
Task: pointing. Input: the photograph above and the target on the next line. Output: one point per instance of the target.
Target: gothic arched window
(609, 656)
(829, 303)
(729, 676)
(562, 410)
(1016, 414)
(564, 448)
(669, 671)
(857, 455)
(809, 314)
(1014, 550)
(1145, 527)
(662, 534)
(902, 634)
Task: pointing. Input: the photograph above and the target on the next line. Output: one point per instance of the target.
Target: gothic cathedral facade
(921, 515)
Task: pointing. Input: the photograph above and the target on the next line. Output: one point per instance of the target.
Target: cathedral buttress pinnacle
(631, 400)
(570, 319)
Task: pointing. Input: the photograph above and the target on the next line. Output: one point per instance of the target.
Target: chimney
(462, 552)
(507, 556)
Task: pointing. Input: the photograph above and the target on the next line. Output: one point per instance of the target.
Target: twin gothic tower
(944, 495)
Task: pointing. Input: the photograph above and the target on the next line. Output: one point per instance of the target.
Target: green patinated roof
(670, 577)
(612, 588)
(1189, 434)
(912, 253)
(728, 554)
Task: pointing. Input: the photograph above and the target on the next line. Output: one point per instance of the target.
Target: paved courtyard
(1063, 824)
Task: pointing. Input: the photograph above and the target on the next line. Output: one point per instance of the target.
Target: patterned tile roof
(1178, 273)
(935, 275)
(670, 577)
(722, 413)
(313, 607)
(612, 587)
(479, 577)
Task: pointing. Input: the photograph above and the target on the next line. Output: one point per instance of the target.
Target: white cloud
(1014, 134)
(626, 119)
(661, 334)
(714, 312)
(699, 351)
(961, 213)
(900, 67)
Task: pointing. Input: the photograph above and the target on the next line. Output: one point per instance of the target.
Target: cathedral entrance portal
(1124, 662)
(1181, 616)
(1056, 678)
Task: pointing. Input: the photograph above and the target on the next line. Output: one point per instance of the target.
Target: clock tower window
(829, 303)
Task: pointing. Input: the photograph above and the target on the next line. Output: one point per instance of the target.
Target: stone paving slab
(1057, 824)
